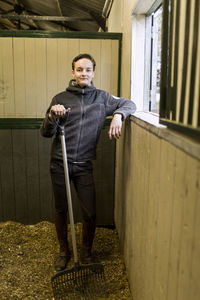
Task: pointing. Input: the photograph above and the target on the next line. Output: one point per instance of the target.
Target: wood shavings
(27, 254)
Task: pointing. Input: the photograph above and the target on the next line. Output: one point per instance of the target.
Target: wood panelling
(157, 194)
(19, 75)
(25, 185)
(33, 70)
(7, 179)
(7, 104)
(23, 177)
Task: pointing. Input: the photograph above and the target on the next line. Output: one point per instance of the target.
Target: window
(165, 72)
(146, 55)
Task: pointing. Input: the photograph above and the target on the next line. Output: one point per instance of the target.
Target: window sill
(151, 123)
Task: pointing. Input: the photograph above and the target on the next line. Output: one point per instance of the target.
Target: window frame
(140, 54)
(138, 81)
(150, 46)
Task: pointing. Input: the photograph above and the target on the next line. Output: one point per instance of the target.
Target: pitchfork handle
(68, 191)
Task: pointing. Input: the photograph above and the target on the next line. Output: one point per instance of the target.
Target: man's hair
(85, 55)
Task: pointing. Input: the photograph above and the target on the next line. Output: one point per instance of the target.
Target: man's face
(83, 72)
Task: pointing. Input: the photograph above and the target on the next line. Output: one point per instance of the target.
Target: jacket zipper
(81, 122)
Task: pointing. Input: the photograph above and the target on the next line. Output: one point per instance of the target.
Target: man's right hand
(57, 111)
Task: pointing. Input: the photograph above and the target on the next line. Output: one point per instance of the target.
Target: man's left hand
(115, 127)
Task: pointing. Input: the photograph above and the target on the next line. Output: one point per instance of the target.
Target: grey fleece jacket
(89, 108)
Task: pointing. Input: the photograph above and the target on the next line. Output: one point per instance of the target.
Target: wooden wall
(157, 214)
(25, 184)
(26, 194)
(33, 68)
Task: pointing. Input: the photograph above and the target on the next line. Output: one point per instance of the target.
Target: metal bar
(44, 18)
(174, 91)
(185, 63)
(169, 58)
(31, 26)
(194, 59)
(68, 192)
(163, 85)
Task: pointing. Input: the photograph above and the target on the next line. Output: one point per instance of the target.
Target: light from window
(156, 60)
(154, 64)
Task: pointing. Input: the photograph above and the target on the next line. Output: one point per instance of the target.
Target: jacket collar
(75, 88)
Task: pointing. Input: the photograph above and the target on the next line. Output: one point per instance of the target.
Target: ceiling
(54, 15)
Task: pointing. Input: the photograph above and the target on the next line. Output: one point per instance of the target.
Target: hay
(27, 254)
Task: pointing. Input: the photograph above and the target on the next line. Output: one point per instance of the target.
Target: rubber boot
(88, 232)
(61, 230)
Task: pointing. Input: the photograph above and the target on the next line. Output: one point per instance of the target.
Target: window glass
(153, 61)
(156, 60)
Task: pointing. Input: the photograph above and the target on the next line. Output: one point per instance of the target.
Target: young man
(88, 109)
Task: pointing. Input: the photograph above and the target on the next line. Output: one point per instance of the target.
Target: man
(88, 109)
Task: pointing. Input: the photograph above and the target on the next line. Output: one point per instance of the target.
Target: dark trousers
(82, 177)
